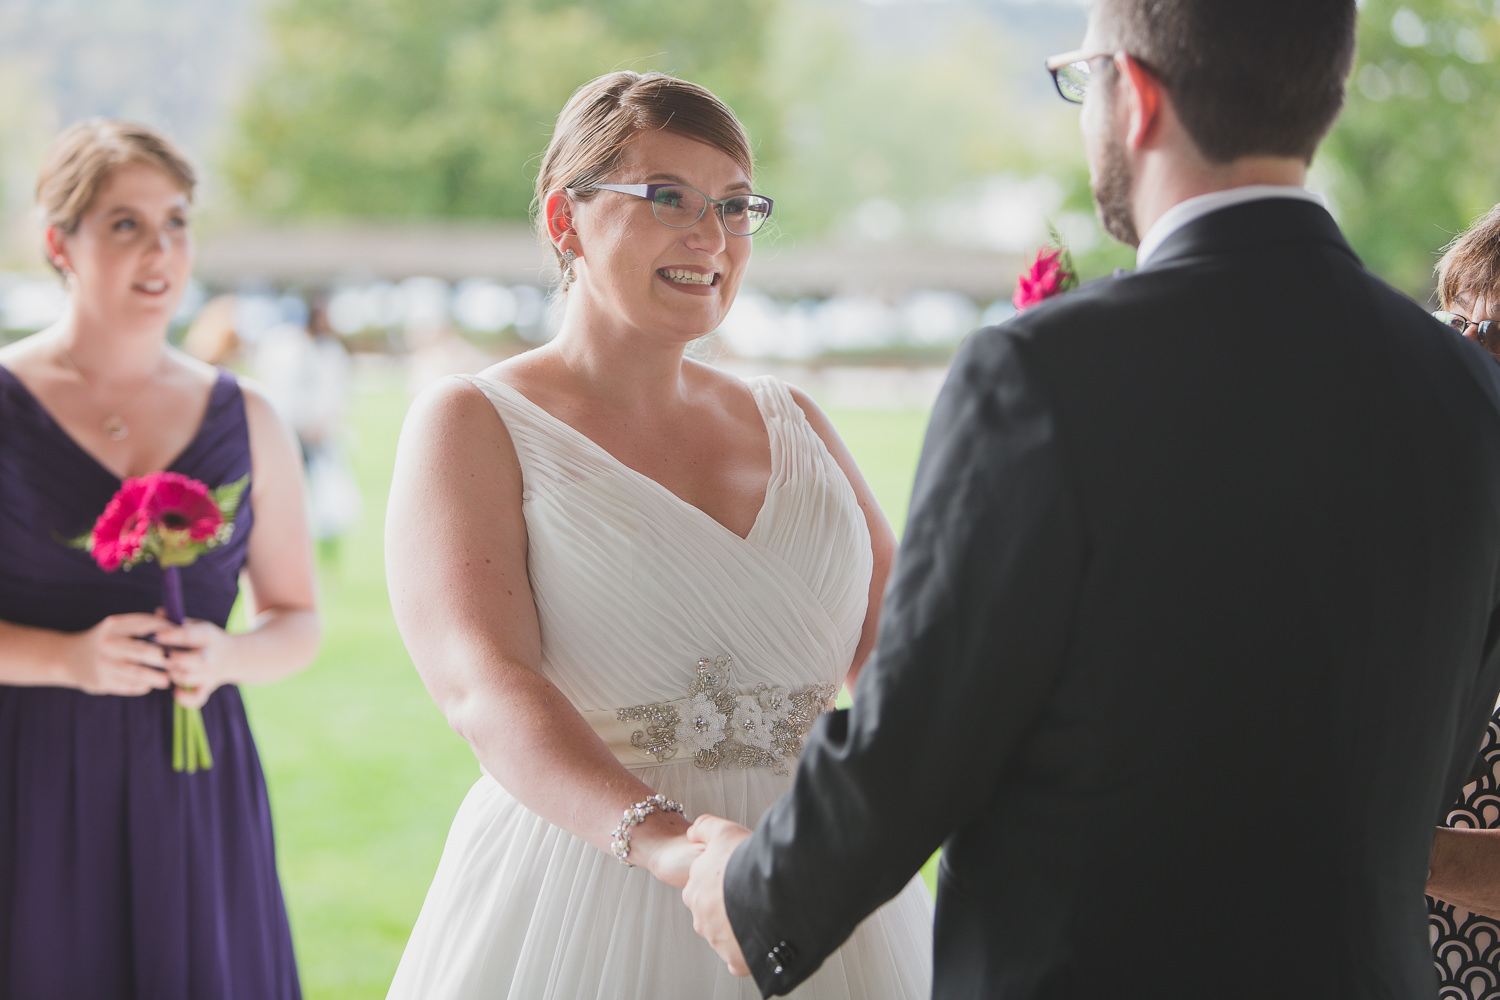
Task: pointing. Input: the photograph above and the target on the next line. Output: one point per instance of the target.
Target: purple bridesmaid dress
(121, 879)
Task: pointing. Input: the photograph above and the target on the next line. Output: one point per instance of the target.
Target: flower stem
(204, 756)
(189, 742)
(179, 733)
(189, 737)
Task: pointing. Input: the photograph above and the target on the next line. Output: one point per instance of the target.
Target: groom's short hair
(1246, 77)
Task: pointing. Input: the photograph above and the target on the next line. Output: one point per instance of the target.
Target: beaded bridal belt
(715, 725)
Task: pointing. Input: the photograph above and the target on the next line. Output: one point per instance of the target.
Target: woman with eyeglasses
(1463, 885)
(631, 582)
(1469, 282)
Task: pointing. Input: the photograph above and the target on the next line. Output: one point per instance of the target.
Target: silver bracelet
(656, 803)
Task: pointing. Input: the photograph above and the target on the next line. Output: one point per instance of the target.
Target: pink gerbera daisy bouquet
(169, 519)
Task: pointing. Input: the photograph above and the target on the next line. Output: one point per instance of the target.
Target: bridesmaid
(119, 877)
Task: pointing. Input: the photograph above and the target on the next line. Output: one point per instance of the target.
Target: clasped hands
(131, 654)
(696, 866)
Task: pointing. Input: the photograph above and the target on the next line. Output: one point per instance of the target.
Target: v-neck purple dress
(121, 879)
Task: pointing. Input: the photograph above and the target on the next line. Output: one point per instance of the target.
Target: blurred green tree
(904, 125)
(1413, 159)
(439, 108)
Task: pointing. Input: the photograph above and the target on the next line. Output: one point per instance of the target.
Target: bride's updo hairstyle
(604, 115)
(82, 156)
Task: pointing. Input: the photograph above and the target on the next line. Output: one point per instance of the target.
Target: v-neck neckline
(595, 446)
(94, 459)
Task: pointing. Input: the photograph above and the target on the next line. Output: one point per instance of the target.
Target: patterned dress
(1466, 946)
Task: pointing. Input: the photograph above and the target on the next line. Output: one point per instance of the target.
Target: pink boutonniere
(170, 519)
(1051, 273)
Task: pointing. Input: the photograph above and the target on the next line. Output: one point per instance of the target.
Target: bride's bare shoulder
(535, 374)
(724, 390)
(448, 398)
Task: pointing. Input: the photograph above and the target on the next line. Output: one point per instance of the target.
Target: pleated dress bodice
(633, 586)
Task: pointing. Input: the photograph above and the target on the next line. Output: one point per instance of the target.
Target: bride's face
(634, 269)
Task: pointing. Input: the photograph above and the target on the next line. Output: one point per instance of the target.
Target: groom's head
(1246, 77)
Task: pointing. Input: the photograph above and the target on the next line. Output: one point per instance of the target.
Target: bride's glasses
(680, 206)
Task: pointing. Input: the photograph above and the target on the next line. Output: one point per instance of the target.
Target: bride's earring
(569, 275)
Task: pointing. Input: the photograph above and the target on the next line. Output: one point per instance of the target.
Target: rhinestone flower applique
(720, 727)
(703, 729)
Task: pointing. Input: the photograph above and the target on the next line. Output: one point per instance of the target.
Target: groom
(1193, 632)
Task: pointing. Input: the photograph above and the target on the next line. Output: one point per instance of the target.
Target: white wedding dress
(700, 657)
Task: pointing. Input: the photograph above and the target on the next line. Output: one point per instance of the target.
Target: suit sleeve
(972, 640)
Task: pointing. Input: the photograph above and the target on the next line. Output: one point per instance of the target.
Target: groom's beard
(1112, 194)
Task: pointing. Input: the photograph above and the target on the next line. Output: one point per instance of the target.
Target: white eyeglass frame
(648, 192)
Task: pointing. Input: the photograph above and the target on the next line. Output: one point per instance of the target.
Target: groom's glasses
(1482, 328)
(1071, 73)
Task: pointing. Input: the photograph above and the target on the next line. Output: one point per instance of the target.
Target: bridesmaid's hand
(117, 656)
(195, 657)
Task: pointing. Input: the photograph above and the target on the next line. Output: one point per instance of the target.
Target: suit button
(780, 956)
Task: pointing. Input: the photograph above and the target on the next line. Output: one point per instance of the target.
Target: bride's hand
(672, 859)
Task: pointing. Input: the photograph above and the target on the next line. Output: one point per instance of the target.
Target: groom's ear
(1144, 96)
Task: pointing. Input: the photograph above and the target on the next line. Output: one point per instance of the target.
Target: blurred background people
(212, 337)
(306, 373)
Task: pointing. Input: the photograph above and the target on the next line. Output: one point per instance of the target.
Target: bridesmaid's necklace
(113, 425)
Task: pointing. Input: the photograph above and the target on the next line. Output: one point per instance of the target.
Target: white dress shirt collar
(1184, 212)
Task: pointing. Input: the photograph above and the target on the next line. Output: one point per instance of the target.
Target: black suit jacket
(1191, 640)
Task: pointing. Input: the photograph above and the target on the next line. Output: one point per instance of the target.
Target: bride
(631, 582)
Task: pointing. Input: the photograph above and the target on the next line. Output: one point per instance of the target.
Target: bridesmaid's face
(633, 267)
(132, 252)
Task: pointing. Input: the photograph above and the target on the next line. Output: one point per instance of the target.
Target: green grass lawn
(364, 773)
